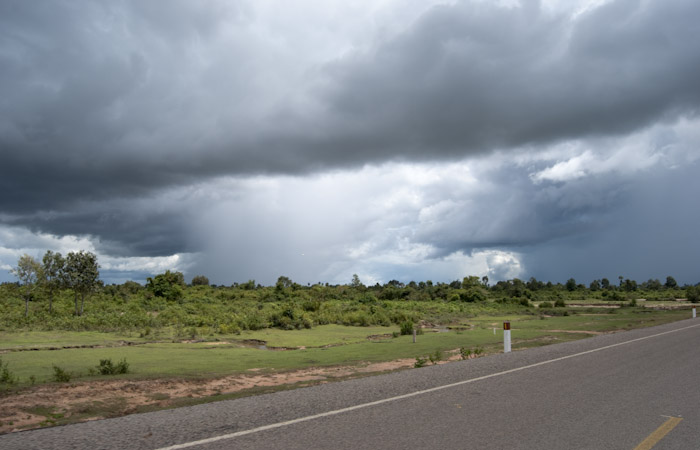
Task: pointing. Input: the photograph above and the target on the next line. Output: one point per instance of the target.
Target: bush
(435, 357)
(465, 352)
(560, 303)
(406, 328)
(106, 367)
(60, 375)
(546, 305)
(6, 377)
(420, 362)
(200, 280)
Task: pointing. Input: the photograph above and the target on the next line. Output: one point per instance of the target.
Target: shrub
(466, 353)
(435, 357)
(60, 375)
(200, 280)
(6, 377)
(560, 303)
(106, 367)
(406, 328)
(420, 362)
(546, 305)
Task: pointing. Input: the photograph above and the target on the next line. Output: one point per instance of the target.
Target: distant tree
(52, 271)
(629, 285)
(28, 272)
(533, 284)
(168, 285)
(470, 282)
(571, 285)
(485, 281)
(200, 280)
(356, 283)
(670, 282)
(652, 285)
(81, 274)
(131, 287)
(692, 294)
(248, 285)
(605, 283)
(595, 285)
(283, 283)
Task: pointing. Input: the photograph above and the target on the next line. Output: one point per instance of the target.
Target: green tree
(283, 283)
(570, 285)
(200, 280)
(692, 294)
(595, 285)
(28, 272)
(52, 270)
(605, 283)
(168, 285)
(471, 282)
(81, 274)
(670, 282)
(356, 283)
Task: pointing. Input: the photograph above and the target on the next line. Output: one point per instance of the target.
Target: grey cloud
(649, 235)
(104, 101)
(468, 78)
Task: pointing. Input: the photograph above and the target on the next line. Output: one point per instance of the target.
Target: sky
(317, 139)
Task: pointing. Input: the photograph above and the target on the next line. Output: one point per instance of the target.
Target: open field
(165, 371)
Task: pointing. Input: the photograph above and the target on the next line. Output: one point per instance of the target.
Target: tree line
(78, 271)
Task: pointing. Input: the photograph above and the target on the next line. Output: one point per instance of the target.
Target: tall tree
(81, 274)
(52, 271)
(355, 282)
(28, 271)
(670, 282)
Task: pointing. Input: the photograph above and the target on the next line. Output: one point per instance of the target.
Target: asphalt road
(606, 392)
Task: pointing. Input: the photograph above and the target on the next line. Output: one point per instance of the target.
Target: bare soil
(52, 404)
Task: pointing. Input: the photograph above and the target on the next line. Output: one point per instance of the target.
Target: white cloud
(665, 145)
(17, 241)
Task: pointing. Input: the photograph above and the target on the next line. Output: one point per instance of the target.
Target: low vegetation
(167, 328)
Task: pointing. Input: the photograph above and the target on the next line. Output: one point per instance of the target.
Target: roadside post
(694, 312)
(506, 336)
(414, 335)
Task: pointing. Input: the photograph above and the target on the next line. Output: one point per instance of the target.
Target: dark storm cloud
(469, 78)
(648, 235)
(120, 99)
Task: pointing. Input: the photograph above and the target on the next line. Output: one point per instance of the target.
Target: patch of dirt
(90, 400)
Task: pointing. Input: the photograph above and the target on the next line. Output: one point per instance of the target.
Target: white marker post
(414, 335)
(506, 337)
(693, 311)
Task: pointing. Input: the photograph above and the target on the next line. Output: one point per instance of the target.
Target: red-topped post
(506, 336)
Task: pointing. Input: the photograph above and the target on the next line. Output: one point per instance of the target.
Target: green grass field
(326, 345)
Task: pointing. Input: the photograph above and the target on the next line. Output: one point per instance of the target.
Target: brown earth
(53, 404)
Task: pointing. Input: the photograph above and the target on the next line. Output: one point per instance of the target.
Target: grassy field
(160, 355)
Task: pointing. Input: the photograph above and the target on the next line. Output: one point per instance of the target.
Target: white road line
(400, 397)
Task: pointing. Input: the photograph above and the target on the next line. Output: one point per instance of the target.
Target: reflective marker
(506, 337)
